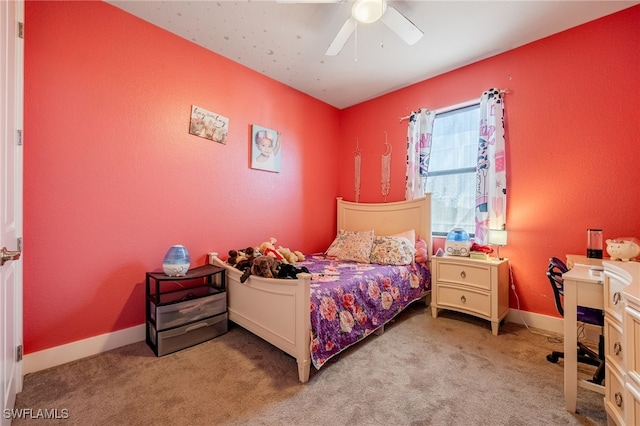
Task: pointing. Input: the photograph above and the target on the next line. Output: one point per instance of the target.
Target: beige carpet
(421, 371)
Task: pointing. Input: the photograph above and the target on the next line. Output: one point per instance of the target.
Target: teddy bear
(299, 255)
(233, 257)
(246, 259)
(268, 248)
(289, 256)
(263, 266)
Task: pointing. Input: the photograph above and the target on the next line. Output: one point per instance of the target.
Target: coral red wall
(572, 128)
(113, 178)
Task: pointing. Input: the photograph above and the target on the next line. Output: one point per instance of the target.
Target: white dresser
(622, 339)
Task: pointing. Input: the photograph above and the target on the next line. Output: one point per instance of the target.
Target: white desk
(581, 288)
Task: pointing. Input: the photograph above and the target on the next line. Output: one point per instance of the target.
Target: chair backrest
(554, 271)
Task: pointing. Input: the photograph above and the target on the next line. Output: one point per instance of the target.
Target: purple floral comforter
(351, 300)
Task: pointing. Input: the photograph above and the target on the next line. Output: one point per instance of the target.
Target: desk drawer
(632, 344)
(614, 343)
(469, 275)
(613, 304)
(464, 299)
(614, 394)
(633, 404)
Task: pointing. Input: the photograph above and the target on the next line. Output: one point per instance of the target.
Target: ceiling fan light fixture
(368, 11)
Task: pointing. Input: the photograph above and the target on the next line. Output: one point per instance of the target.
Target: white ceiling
(287, 41)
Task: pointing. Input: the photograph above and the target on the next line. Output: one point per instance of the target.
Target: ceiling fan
(369, 11)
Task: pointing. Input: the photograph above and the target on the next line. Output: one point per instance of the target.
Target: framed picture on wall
(265, 149)
(208, 125)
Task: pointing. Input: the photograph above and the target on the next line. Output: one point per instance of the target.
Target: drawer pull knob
(617, 348)
(463, 274)
(618, 399)
(616, 297)
(463, 299)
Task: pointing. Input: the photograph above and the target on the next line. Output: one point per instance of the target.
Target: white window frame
(455, 171)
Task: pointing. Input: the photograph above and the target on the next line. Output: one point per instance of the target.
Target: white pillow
(352, 245)
(410, 235)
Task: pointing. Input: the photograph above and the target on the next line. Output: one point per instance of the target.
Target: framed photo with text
(208, 125)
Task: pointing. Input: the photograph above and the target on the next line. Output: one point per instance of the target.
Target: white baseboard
(94, 345)
(81, 349)
(550, 324)
(539, 321)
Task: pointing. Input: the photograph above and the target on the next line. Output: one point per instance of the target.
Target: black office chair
(586, 315)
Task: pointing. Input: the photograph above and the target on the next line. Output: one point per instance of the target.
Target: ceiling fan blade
(309, 1)
(341, 38)
(402, 26)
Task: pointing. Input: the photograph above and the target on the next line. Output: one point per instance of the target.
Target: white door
(11, 101)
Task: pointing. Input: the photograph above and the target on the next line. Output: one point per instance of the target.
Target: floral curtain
(418, 152)
(491, 178)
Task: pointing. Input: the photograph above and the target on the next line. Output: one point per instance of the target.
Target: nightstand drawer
(469, 275)
(464, 299)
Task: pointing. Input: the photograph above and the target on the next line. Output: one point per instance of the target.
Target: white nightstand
(472, 286)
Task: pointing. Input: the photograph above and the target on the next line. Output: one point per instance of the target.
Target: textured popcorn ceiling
(287, 41)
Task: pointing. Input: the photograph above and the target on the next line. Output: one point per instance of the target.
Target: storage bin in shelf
(185, 311)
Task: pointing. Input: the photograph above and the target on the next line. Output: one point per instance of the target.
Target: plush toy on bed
(236, 256)
(247, 260)
(267, 248)
(421, 255)
(243, 261)
(289, 256)
(264, 266)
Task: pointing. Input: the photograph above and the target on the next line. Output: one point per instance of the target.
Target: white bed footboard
(277, 310)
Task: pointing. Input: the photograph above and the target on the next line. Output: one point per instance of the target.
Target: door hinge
(19, 353)
(19, 137)
(21, 29)
(19, 244)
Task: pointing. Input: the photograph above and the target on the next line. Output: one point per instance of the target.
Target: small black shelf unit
(185, 311)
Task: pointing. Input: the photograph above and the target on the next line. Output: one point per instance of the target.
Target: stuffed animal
(265, 266)
(246, 260)
(267, 248)
(300, 255)
(289, 271)
(288, 256)
(233, 257)
(421, 255)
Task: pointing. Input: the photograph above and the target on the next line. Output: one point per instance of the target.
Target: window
(452, 169)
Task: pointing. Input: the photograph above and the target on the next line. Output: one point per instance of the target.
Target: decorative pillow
(422, 255)
(392, 251)
(409, 235)
(352, 245)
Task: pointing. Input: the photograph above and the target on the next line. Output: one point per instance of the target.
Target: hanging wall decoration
(265, 149)
(357, 154)
(386, 169)
(208, 125)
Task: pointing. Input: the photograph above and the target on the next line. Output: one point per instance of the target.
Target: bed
(280, 311)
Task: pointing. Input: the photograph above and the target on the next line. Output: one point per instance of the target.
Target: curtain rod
(460, 105)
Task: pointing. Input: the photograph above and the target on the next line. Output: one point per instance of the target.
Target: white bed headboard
(388, 218)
